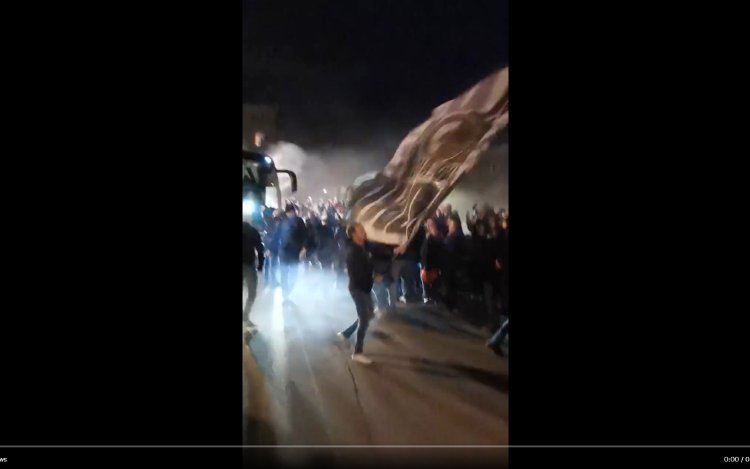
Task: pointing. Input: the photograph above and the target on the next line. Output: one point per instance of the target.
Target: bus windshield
(261, 183)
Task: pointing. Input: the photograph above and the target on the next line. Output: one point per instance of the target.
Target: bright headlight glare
(248, 207)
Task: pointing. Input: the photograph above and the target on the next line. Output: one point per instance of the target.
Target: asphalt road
(432, 383)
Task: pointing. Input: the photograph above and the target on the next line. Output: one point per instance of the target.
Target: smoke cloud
(332, 169)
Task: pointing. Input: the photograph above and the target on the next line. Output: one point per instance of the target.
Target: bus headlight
(248, 207)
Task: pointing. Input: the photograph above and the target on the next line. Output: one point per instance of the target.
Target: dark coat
(359, 268)
(432, 253)
(251, 243)
(290, 238)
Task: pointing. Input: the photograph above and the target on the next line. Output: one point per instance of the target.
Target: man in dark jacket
(495, 343)
(431, 259)
(339, 258)
(289, 239)
(252, 252)
(331, 212)
(441, 220)
(486, 265)
(405, 269)
(326, 244)
(382, 257)
(452, 260)
(504, 267)
(311, 241)
(444, 214)
(360, 272)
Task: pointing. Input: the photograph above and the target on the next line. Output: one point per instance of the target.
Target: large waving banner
(430, 162)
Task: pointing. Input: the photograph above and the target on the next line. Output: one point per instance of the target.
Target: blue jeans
(288, 276)
(250, 279)
(382, 295)
(409, 272)
(497, 339)
(363, 303)
(490, 304)
(270, 269)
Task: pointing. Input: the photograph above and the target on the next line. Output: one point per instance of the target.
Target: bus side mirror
(292, 176)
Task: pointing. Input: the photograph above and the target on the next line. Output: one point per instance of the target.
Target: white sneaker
(341, 336)
(402, 299)
(360, 358)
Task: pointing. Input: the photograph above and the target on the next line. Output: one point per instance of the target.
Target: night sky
(346, 72)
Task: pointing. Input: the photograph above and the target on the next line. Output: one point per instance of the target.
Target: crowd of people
(440, 263)
(311, 234)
